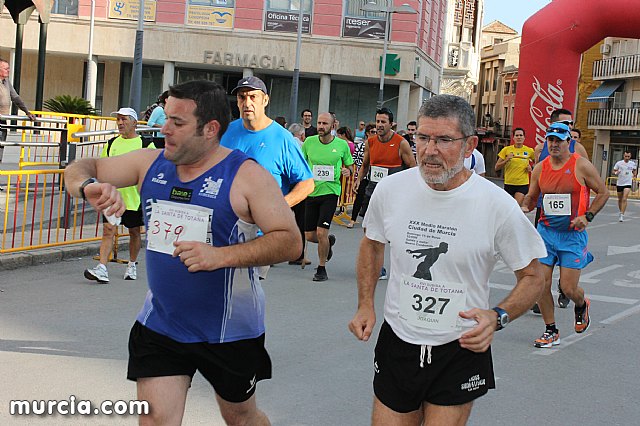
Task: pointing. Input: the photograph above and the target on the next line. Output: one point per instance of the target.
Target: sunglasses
(559, 131)
(567, 122)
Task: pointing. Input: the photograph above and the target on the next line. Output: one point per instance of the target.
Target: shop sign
(209, 16)
(363, 28)
(286, 22)
(128, 9)
(244, 60)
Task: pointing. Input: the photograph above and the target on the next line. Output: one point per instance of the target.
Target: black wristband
(589, 216)
(84, 185)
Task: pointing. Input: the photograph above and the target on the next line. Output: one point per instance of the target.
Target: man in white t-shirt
(475, 163)
(626, 170)
(445, 239)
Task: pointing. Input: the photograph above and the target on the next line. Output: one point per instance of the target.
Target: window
(495, 79)
(289, 5)
(65, 7)
(507, 87)
(513, 87)
(354, 8)
(219, 3)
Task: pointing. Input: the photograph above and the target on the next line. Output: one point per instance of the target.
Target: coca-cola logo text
(539, 111)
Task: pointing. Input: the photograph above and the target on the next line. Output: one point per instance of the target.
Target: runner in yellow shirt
(516, 160)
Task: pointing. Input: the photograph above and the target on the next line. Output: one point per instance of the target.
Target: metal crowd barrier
(347, 197)
(35, 209)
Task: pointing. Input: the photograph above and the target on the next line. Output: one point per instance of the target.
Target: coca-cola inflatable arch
(552, 42)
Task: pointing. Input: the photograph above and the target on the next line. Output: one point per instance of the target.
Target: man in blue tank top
(203, 205)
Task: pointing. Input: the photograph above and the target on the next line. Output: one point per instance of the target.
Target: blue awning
(605, 91)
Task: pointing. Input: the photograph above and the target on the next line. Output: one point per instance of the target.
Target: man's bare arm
(369, 263)
(255, 198)
(406, 154)
(299, 192)
(531, 199)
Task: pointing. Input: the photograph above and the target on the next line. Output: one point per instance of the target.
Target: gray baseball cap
(250, 83)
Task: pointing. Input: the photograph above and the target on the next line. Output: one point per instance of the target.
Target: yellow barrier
(613, 192)
(347, 196)
(36, 212)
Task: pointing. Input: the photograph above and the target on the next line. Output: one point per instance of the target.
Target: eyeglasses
(307, 115)
(567, 122)
(442, 141)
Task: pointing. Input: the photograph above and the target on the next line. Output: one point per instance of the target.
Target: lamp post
(388, 10)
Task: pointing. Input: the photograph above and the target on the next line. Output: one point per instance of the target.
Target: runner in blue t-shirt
(272, 146)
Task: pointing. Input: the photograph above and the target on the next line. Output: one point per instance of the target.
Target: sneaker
(332, 241)
(621, 218)
(383, 274)
(131, 273)
(582, 319)
(320, 275)
(535, 309)
(563, 300)
(547, 340)
(99, 274)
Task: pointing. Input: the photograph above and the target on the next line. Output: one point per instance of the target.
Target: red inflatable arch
(552, 41)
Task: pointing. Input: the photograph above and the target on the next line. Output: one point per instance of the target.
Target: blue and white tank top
(208, 306)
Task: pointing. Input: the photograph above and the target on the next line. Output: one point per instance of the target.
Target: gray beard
(446, 175)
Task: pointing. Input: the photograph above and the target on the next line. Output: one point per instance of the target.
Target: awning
(605, 91)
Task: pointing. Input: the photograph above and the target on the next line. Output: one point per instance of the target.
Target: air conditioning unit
(605, 49)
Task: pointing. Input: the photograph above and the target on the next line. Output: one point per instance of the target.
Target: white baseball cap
(126, 111)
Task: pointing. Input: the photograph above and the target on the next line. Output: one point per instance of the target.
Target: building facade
(224, 40)
(616, 119)
(461, 57)
(493, 98)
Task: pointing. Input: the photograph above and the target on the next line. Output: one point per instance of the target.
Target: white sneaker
(621, 218)
(131, 273)
(99, 274)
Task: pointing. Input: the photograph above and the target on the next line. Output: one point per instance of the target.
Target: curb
(23, 259)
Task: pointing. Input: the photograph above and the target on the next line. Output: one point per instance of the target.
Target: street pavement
(61, 335)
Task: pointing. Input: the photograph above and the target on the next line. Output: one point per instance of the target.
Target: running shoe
(582, 318)
(131, 272)
(383, 274)
(535, 309)
(320, 275)
(621, 218)
(332, 241)
(548, 339)
(99, 274)
(563, 300)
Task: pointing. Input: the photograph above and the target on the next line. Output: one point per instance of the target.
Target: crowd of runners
(215, 221)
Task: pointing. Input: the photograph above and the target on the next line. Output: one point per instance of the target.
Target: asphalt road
(61, 335)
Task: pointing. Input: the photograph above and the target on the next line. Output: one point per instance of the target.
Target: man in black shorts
(128, 140)
(329, 158)
(433, 355)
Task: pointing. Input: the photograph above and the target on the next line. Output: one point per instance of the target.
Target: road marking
(567, 341)
(609, 299)
(617, 317)
(626, 283)
(613, 250)
(587, 278)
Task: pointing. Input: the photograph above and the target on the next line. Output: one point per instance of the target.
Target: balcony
(620, 67)
(614, 119)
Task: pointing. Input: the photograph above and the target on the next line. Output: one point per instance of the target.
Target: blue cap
(559, 130)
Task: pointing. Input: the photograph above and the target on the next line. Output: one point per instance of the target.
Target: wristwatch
(503, 318)
(84, 185)
(589, 216)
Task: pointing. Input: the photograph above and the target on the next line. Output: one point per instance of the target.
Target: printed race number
(323, 173)
(428, 303)
(171, 222)
(557, 204)
(378, 173)
(432, 304)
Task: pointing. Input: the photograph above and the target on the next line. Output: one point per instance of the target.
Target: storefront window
(151, 85)
(289, 5)
(353, 8)
(65, 7)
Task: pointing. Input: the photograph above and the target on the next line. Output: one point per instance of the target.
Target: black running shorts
(233, 368)
(406, 375)
(319, 211)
